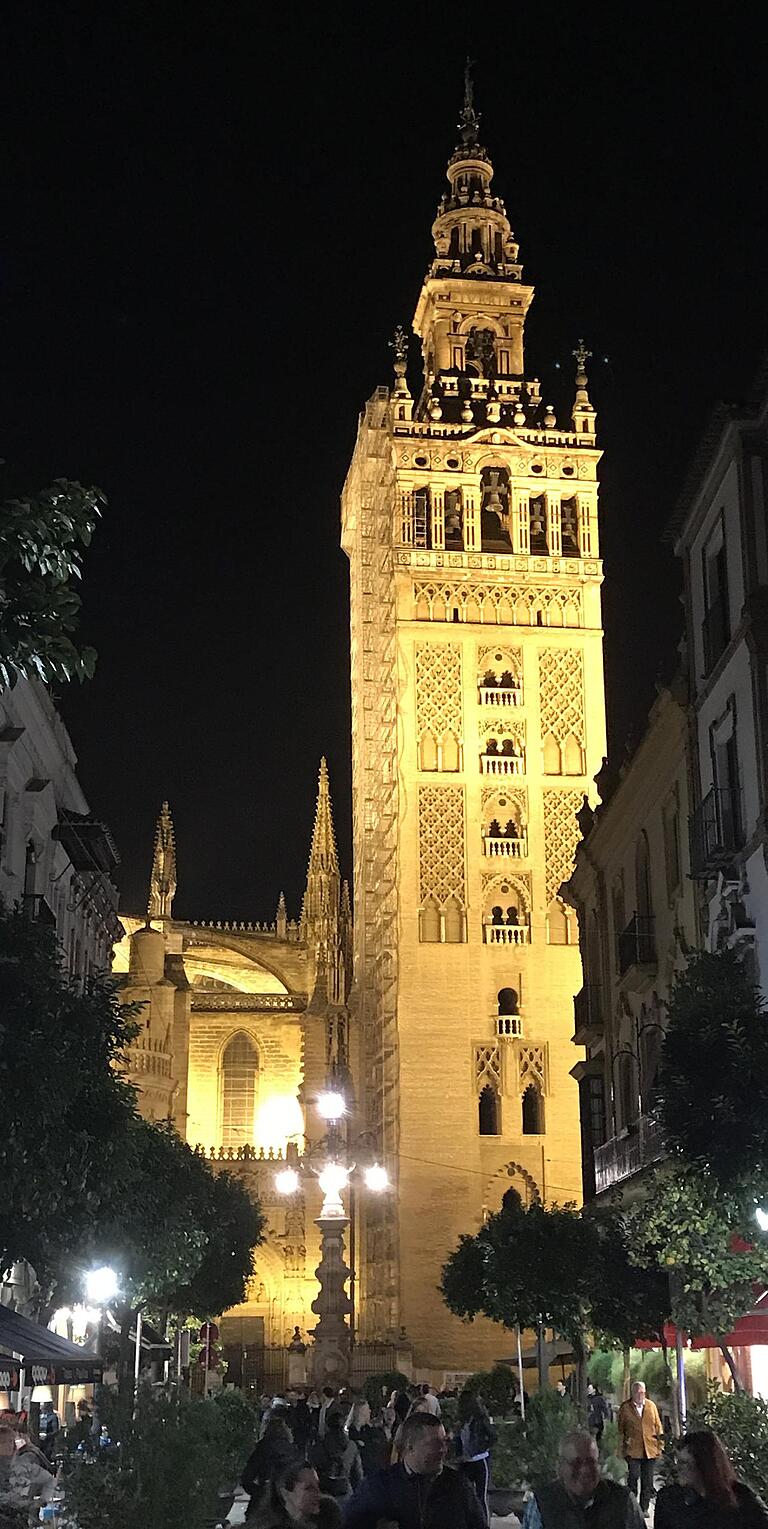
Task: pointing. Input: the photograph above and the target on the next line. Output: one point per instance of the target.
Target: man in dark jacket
(579, 1497)
(419, 1493)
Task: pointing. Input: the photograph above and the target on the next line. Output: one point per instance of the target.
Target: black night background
(213, 218)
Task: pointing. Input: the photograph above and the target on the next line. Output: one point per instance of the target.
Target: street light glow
(376, 1177)
(287, 1181)
(101, 1285)
(331, 1104)
(761, 1217)
(333, 1179)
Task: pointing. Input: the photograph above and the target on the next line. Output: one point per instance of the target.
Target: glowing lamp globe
(331, 1105)
(376, 1178)
(761, 1217)
(332, 1180)
(101, 1286)
(287, 1181)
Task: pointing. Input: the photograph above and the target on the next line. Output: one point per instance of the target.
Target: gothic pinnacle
(162, 886)
(323, 855)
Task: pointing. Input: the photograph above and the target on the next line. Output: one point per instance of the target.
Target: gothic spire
(323, 855)
(162, 885)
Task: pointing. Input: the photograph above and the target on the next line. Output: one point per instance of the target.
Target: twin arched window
(239, 1078)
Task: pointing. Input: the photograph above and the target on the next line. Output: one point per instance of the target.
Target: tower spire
(320, 910)
(469, 121)
(162, 885)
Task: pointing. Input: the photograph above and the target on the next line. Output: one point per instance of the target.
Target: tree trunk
(581, 1351)
(541, 1356)
(626, 1377)
(125, 1368)
(675, 1400)
(731, 1363)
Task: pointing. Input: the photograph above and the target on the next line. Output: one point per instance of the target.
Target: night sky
(213, 217)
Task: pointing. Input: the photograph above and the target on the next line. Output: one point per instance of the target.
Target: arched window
(537, 522)
(551, 755)
(239, 1072)
(494, 510)
(454, 922)
(507, 1000)
(427, 752)
(429, 920)
(533, 1111)
(643, 877)
(488, 1112)
(569, 527)
(573, 760)
(558, 928)
(450, 760)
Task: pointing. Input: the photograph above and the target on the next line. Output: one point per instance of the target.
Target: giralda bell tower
(470, 522)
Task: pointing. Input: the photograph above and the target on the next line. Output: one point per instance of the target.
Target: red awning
(749, 1331)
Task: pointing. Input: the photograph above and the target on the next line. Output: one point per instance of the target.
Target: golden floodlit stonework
(469, 519)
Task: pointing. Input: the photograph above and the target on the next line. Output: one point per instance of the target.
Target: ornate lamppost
(329, 1162)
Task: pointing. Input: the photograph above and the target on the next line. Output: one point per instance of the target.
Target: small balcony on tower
(506, 918)
(502, 759)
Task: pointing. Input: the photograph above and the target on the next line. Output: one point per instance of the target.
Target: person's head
(419, 1405)
(83, 1410)
(47, 1407)
(637, 1392)
(703, 1465)
(334, 1427)
(296, 1491)
(579, 1465)
(422, 1443)
(277, 1430)
(328, 1393)
(360, 1414)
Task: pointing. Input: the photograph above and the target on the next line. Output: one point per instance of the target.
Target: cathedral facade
(241, 1027)
(469, 517)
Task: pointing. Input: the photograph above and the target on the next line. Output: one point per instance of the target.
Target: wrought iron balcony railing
(716, 830)
(637, 943)
(621, 1157)
(588, 1021)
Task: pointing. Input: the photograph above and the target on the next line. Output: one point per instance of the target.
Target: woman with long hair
(707, 1494)
(293, 1500)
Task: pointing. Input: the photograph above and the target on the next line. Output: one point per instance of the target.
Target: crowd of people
(330, 1461)
(349, 1461)
(30, 1472)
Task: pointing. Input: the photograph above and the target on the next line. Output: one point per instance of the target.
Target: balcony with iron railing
(509, 1027)
(500, 695)
(504, 763)
(512, 846)
(637, 944)
(588, 1015)
(622, 1156)
(716, 831)
(505, 933)
(715, 632)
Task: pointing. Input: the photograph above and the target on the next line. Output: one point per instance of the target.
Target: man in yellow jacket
(641, 1436)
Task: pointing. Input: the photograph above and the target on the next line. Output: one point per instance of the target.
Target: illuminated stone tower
(470, 523)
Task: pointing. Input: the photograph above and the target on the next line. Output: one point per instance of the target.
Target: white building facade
(719, 530)
(56, 859)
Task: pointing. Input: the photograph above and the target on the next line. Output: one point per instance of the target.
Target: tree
(180, 1237)
(559, 1267)
(713, 1079)
(66, 1107)
(41, 547)
(699, 1232)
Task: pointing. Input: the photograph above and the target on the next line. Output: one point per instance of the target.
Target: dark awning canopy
(47, 1359)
